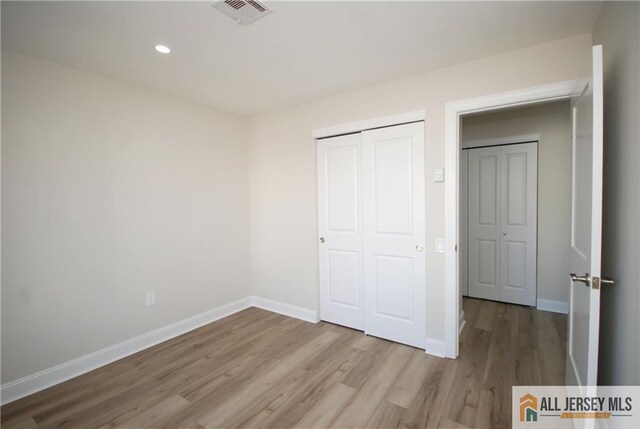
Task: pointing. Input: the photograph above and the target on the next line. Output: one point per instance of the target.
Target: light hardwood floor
(260, 369)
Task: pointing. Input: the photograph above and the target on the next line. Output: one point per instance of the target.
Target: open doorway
(454, 113)
(515, 231)
(515, 205)
(485, 362)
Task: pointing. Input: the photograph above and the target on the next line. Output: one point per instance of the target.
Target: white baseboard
(286, 309)
(30, 384)
(553, 306)
(461, 322)
(435, 347)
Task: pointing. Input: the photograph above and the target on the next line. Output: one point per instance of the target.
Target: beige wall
(618, 30)
(282, 162)
(110, 191)
(553, 122)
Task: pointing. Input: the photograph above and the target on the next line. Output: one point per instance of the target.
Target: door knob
(419, 247)
(586, 279)
(321, 239)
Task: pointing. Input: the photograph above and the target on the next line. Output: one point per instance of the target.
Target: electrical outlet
(151, 299)
(438, 175)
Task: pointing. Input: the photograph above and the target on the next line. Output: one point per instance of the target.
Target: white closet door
(484, 223)
(340, 228)
(394, 233)
(519, 213)
(464, 224)
(502, 223)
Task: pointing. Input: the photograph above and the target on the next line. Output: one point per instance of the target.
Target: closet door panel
(502, 211)
(394, 233)
(519, 214)
(484, 223)
(394, 302)
(344, 278)
(463, 271)
(392, 190)
(340, 226)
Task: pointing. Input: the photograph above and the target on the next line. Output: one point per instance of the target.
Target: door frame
(454, 110)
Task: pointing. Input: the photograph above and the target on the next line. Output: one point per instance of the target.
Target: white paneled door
(371, 188)
(586, 234)
(484, 223)
(502, 224)
(340, 227)
(394, 233)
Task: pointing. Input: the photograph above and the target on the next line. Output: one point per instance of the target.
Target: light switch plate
(439, 245)
(438, 175)
(151, 299)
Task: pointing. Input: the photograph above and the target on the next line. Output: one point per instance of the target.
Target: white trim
(435, 347)
(518, 97)
(553, 306)
(462, 322)
(453, 111)
(524, 138)
(49, 377)
(367, 124)
(30, 384)
(462, 325)
(286, 309)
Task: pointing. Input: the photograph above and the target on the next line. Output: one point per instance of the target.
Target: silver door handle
(419, 247)
(586, 279)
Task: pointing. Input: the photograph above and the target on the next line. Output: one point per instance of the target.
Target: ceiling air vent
(244, 12)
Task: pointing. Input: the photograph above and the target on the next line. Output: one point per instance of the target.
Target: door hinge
(595, 282)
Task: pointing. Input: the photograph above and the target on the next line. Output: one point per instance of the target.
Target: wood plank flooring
(257, 369)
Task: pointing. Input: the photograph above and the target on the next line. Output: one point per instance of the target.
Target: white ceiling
(302, 51)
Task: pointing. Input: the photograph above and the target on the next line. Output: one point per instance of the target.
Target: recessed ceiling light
(163, 49)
